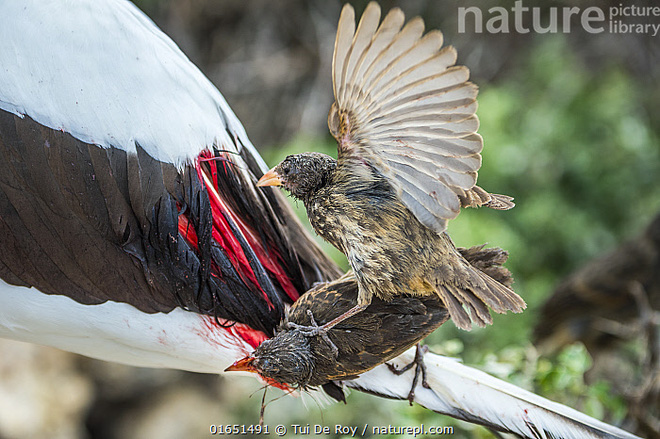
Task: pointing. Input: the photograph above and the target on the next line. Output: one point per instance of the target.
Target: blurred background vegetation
(571, 124)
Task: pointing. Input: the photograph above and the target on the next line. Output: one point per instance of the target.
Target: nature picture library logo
(625, 18)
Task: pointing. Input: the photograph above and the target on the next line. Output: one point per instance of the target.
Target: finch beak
(270, 178)
(243, 365)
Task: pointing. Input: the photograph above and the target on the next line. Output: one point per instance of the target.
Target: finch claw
(315, 330)
(420, 369)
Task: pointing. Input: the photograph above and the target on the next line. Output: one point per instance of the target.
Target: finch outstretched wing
(404, 108)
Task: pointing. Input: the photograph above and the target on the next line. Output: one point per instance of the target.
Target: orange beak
(243, 365)
(246, 365)
(270, 178)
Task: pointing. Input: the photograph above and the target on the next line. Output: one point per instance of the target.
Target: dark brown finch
(359, 343)
(381, 332)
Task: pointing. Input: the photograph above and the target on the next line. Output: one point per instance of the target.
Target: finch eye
(286, 170)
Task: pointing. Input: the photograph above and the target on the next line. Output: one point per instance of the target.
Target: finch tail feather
(477, 197)
(500, 202)
(488, 286)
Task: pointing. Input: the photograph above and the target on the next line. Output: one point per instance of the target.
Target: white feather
(103, 72)
(467, 393)
(119, 332)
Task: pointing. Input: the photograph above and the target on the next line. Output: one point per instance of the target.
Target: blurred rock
(42, 393)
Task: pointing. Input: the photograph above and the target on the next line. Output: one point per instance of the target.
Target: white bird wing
(403, 107)
(474, 396)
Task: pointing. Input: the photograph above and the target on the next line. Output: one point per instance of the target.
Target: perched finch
(408, 155)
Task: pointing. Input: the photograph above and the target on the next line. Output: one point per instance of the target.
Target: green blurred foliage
(579, 154)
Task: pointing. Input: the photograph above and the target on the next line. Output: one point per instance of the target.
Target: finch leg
(350, 313)
(420, 369)
(317, 330)
(322, 331)
(313, 330)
